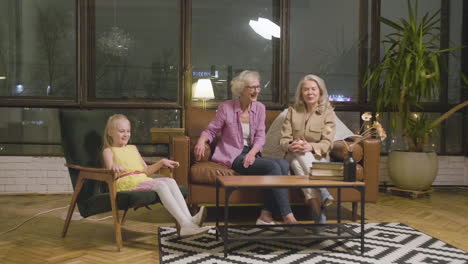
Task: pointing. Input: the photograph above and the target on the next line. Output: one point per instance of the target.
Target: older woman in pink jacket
(241, 123)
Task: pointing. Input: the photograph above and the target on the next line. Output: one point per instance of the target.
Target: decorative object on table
(369, 130)
(385, 243)
(408, 73)
(349, 165)
(332, 171)
(203, 91)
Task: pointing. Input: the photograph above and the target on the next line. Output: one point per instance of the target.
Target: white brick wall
(33, 175)
(48, 175)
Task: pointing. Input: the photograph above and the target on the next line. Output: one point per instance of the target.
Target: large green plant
(408, 73)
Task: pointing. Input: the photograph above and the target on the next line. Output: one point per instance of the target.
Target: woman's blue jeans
(277, 198)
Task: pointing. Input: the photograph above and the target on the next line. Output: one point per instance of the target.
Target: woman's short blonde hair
(111, 124)
(323, 101)
(242, 80)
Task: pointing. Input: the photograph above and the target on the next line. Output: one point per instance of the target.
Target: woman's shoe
(327, 198)
(193, 230)
(200, 217)
(328, 201)
(321, 218)
(272, 223)
(261, 222)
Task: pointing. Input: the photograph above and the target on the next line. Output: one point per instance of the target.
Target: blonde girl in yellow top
(132, 174)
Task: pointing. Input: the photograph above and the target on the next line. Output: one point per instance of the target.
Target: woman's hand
(116, 168)
(199, 149)
(249, 159)
(169, 163)
(300, 146)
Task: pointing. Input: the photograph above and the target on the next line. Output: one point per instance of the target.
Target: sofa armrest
(180, 151)
(371, 165)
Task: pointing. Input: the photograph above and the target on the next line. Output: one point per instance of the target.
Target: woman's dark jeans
(277, 197)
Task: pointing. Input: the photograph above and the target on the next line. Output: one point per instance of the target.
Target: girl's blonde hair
(242, 80)
(322, 102)
(111, 124)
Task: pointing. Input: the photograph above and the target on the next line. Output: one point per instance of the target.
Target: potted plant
(408, 73)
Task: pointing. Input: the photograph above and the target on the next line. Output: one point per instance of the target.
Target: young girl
(131, 174)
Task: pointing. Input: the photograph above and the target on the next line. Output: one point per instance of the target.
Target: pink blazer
(227, 123)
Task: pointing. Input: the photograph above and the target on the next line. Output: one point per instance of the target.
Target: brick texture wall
(48, 175)
(34, 175)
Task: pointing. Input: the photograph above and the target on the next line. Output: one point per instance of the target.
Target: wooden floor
(443, 215)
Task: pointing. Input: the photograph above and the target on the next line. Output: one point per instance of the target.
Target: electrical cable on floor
(98, 219)
(32, 217)
(51, 210)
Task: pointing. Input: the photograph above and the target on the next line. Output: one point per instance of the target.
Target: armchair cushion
(127, 199)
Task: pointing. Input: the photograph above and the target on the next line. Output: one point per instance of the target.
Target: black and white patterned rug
(384, 243)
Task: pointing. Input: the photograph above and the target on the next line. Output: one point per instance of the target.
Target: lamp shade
(204, 89)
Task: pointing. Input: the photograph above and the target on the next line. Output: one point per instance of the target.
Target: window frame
(369, 43)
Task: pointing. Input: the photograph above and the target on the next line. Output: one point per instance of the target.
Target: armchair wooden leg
(123, 217)
(354, 211)
(115, 215)
(71, 208)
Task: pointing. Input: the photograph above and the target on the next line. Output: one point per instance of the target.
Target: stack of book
(332, 171)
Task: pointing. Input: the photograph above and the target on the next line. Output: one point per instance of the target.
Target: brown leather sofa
(200, 176)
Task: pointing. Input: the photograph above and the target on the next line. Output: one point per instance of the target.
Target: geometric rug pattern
(384, 243)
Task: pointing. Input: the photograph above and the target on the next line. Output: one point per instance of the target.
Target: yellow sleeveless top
(129, 158)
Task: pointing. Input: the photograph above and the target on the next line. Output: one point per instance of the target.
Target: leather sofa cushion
(206, 172)
(340, 151)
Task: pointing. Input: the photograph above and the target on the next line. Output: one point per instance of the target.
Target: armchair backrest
(81, 132)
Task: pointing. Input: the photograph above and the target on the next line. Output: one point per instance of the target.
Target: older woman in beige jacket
(307, 136)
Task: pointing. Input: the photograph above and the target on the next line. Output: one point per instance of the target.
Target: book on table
(332, 171)
(327, 178)
(327, 165)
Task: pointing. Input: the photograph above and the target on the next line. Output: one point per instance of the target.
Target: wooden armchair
(94, 187)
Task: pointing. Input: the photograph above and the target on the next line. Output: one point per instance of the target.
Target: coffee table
(232, 183)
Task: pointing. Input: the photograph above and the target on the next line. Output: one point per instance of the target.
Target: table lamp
(203, 91)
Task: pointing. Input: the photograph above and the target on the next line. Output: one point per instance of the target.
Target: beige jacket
(319, 130)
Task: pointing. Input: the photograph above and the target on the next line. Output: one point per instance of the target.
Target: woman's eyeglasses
(258, 88)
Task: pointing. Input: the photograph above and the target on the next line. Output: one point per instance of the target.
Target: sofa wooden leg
(354, 211)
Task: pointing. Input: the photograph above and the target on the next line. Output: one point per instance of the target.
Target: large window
(142, 58)
(448, 138)
(323, 45)
(36, 131)
(37, 48)
(228, 38)
(137, 51)
(455, 35)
